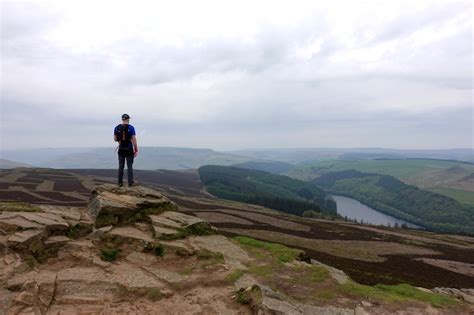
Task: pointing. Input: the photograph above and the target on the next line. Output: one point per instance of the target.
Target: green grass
(402, 169)
(397, 293)
(462, 196)
(309, 274)
(18, 206)
(318, 274)
(234, 276)
(264, 271)
(282, 253)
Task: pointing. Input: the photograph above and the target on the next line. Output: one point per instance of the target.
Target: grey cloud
(275, 99)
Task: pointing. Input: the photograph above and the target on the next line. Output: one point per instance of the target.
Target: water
(353, 209)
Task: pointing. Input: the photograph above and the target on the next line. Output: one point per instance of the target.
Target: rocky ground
(135, 251)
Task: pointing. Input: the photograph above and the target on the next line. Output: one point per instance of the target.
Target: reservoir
(356, 210)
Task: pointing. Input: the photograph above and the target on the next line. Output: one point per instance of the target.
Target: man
(125, 135)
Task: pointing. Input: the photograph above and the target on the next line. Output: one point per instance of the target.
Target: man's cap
(125, 116)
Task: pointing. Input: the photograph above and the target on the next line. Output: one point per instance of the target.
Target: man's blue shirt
(131, 130)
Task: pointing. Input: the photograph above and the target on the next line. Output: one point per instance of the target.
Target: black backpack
(122, 132)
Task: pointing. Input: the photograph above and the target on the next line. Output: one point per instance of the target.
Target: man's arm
(135, 145)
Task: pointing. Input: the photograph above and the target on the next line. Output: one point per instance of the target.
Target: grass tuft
(282, 253)
(18, 206)
(109, 254)
(234, 276)
(397, 293)
(155, 247)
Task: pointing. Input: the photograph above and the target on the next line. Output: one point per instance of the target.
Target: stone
(360, 311)
(161, 221)
(468, 297)
(174, 220)
(161, 231)
(16, 222)
(142, 259)
(245, 281)
(96, 234)
(234, 255)
(78, 249)
(133, 277)
(180, 246)
(128, 233)
(9, 259)
(278, 307)
(24, 298)
(340, 276)
(6, 298)
(67, 213)
(162, 274)
(25, 237)
(46, 219)
(46, 281)
(464, 294)
(58, 240)
(16, 282)
(111, 205)
(99, 262)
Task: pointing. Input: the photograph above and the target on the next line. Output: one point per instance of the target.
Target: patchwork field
(368, 254)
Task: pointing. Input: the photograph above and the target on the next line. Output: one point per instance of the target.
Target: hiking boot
(132, 184)
(120, 184)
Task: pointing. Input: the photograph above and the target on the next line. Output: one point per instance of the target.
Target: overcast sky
(238, 74)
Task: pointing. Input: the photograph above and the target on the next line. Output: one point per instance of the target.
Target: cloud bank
(230, 75)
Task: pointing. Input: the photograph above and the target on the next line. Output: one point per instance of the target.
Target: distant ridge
(7, 164)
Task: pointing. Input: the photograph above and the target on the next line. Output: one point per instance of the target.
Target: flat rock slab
(134, 277)
(234, 255)
(161, 231)
(141, 259)
(340, 276)
(17, 222)
(111, 205)
(56, 240)
(181, 245)
(73, 213)
(245, 281)
(173, 220)
(162, 274)
(25, 237)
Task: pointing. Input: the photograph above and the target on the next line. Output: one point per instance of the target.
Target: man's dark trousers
(122, 159)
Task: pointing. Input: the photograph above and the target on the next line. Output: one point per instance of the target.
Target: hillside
(7, 164)
(301, 155)
(449, 178)
(151, 158)
(391, 196)
(134, 251)
(266, 166)
(266, 189)
(345, 267)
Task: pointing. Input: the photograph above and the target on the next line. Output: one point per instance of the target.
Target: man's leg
(130, 169)
(120, 170)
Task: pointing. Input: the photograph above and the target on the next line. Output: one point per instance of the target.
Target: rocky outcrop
(265, 301)
(42, 233)
(130, 251)
(112, 205)
(466, 295)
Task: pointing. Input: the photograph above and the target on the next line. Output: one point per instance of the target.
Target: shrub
(109, 254)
